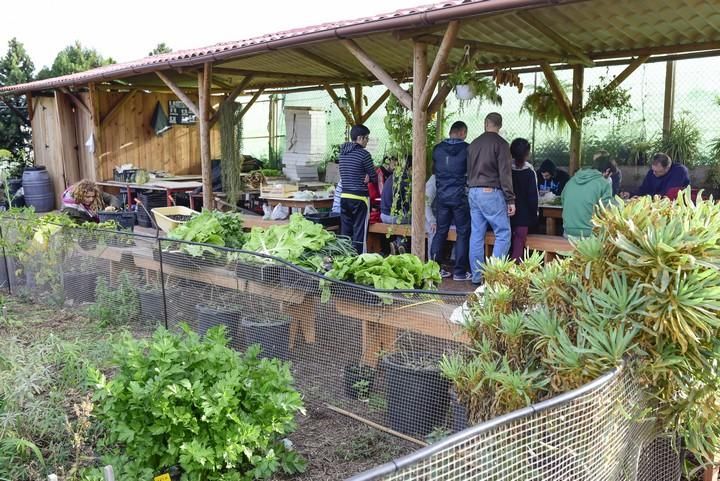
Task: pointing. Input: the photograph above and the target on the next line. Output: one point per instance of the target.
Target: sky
(130, 29)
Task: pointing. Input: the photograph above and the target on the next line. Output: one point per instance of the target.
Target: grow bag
(354, 375)
(273, 337)
(80, 286)
(152, 308)
(209, 317)
(417, 397)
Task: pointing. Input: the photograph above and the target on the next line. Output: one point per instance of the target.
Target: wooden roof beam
(460, 43)
(320, 60)
(439, 99)
(179, 93)
(76, 100)
(250, 103)
(439, 64)
(403, 96)
(237, 90)
(236, 72)
(116, 108)
(560, 95)
(368, 113)
(530, 19)
(30, 105)
(348, 118)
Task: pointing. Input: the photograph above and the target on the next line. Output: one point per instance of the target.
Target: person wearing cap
(491, 196)
(356, 171)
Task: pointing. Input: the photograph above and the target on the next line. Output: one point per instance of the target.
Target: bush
(180, 400)
(117, 305)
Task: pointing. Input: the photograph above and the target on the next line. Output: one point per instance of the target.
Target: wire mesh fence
(371, 353)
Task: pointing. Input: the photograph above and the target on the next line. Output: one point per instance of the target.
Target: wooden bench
(549, 244)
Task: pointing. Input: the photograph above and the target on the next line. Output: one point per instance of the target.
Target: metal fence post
(7, 267)
(162, 281)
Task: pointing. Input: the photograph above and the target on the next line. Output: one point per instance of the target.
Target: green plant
(215, 228)
(116, 305)
(604, 102)
(682, 143)
(404, 271)
(179, 400)
(290, 241)
(482, 86)
(542, 106)
(231, 150)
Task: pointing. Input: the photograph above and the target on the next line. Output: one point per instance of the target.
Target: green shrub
(117, 305)
(180, 400)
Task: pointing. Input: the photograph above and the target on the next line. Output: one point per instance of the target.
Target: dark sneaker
(464, 278)
(444, 274)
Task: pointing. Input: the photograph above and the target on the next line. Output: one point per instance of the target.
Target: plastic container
(167, 224)
(126, 220)
(38, 189)
(326, 219)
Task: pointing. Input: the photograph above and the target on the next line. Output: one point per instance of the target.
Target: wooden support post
(358, 97)
(76, 100)
(669, 104)
(559, 94)
(620, 78)
(439, 64)
(250, 103)
(375, 106)
(385, 78)
(350, 100)
(97, 137)
(419, 140)
(30, 106)
(576, 131)
(439, 99)
(271, 131)
(204, 79)
(348, 117)
(237, 90)
(179, 92)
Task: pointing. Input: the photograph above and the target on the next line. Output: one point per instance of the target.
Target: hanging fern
(230, 149)
(541, 104)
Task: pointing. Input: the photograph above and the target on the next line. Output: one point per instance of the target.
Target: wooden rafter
(220, 82)
(415, 33)
(16, 111)
(559, 94)
(250, 103)
(179, 93)
(348, 118)
(439, 64)
(530, 19)
(237, 90)
(530, 54)
(274, 75)
(379, 73)
(371, 110)
(116, 108)
(439, 99)
(331, 64)
(76, 100)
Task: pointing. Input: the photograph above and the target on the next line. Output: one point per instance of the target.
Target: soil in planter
(417, 394)
(212, 316)
(80, 286)
(359, 381)
(273, 337)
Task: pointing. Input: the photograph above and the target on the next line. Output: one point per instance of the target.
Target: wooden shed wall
(128, 137)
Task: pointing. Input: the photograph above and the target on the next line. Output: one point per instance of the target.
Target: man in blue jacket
(450, 166)
(356, 170)
(664, 175)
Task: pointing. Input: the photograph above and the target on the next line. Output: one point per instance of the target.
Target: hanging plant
(542, 106)
(606, 103)
(469, 84)
(230, 150)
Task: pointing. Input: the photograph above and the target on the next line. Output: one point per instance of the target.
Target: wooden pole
(250, 103)
(559, 95)
(375, 106)
(669, 104)
(376, 425)
(358, 103)
(237, 90)
(271, 131)
(30, 106)
(348, 117)
(76, 100)
(576, 130)
(440, 98)
(439, 64)
(419, 141)
(116, 108)
(180, 94)
(16, 111)
(97, 131)
(204, 80)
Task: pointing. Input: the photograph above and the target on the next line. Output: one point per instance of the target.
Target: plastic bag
(309, 209)
(280, 212)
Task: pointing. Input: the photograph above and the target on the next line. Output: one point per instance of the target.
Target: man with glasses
(356, 171)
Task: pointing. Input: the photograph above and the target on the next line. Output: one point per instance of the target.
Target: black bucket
(417, 397)
(358, 381)
(209, 317)
(459, 413)
(80, 286)
(152, 309)
(273, 337)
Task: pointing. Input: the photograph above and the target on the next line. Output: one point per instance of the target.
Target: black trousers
(460, 215)
(354, 218)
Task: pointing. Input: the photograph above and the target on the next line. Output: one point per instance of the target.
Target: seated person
(83, 200)
(615, 179)
(663, 177)
(550, 178)
(396, 209)
(585, 190)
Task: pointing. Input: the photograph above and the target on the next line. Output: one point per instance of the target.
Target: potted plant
(358, 381)
(417, 393)
(271, 330)
(221, 310)
(542, 106)
(469, 84)
(152, 307)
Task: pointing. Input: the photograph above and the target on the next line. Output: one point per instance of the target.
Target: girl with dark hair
(525, 186)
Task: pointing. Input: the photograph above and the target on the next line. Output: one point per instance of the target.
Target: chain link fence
(370, 353)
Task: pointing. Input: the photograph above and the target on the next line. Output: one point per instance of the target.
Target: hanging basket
(464, 92)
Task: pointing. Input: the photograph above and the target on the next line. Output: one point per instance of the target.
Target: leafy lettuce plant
(178, 400)
(222, 229)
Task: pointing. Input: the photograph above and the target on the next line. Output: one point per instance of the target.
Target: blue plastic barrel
(38, 189)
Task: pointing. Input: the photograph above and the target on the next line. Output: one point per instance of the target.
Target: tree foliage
(72, 59)
(160, 49)
(16, 67)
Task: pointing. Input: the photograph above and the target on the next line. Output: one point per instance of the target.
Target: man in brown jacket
(491, 197)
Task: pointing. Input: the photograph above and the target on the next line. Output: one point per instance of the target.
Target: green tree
(161, 48)
(16, 67)
(72, 59)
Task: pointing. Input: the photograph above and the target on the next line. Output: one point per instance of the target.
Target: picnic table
(291, 202)
(552, 214)
(169, 185)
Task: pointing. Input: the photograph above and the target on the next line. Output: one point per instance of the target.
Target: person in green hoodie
(585, 190)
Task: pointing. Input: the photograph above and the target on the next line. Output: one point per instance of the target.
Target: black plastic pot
(296, 279)
(458, 412)
(175, 259)
(80, 286)
(350, 293)
(249, 271)
(125, 220)
(152, 308)
(356, 374)
(7, 272)
(212, 316)
(417, 397)
(273, 337)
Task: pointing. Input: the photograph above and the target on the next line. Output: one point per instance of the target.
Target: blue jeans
(487, 208)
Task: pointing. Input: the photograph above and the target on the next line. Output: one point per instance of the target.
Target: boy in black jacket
(356, 170)
(525, 186)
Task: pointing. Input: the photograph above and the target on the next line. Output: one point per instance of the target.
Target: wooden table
(552, 214)
(169, 185)
(298, 203)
